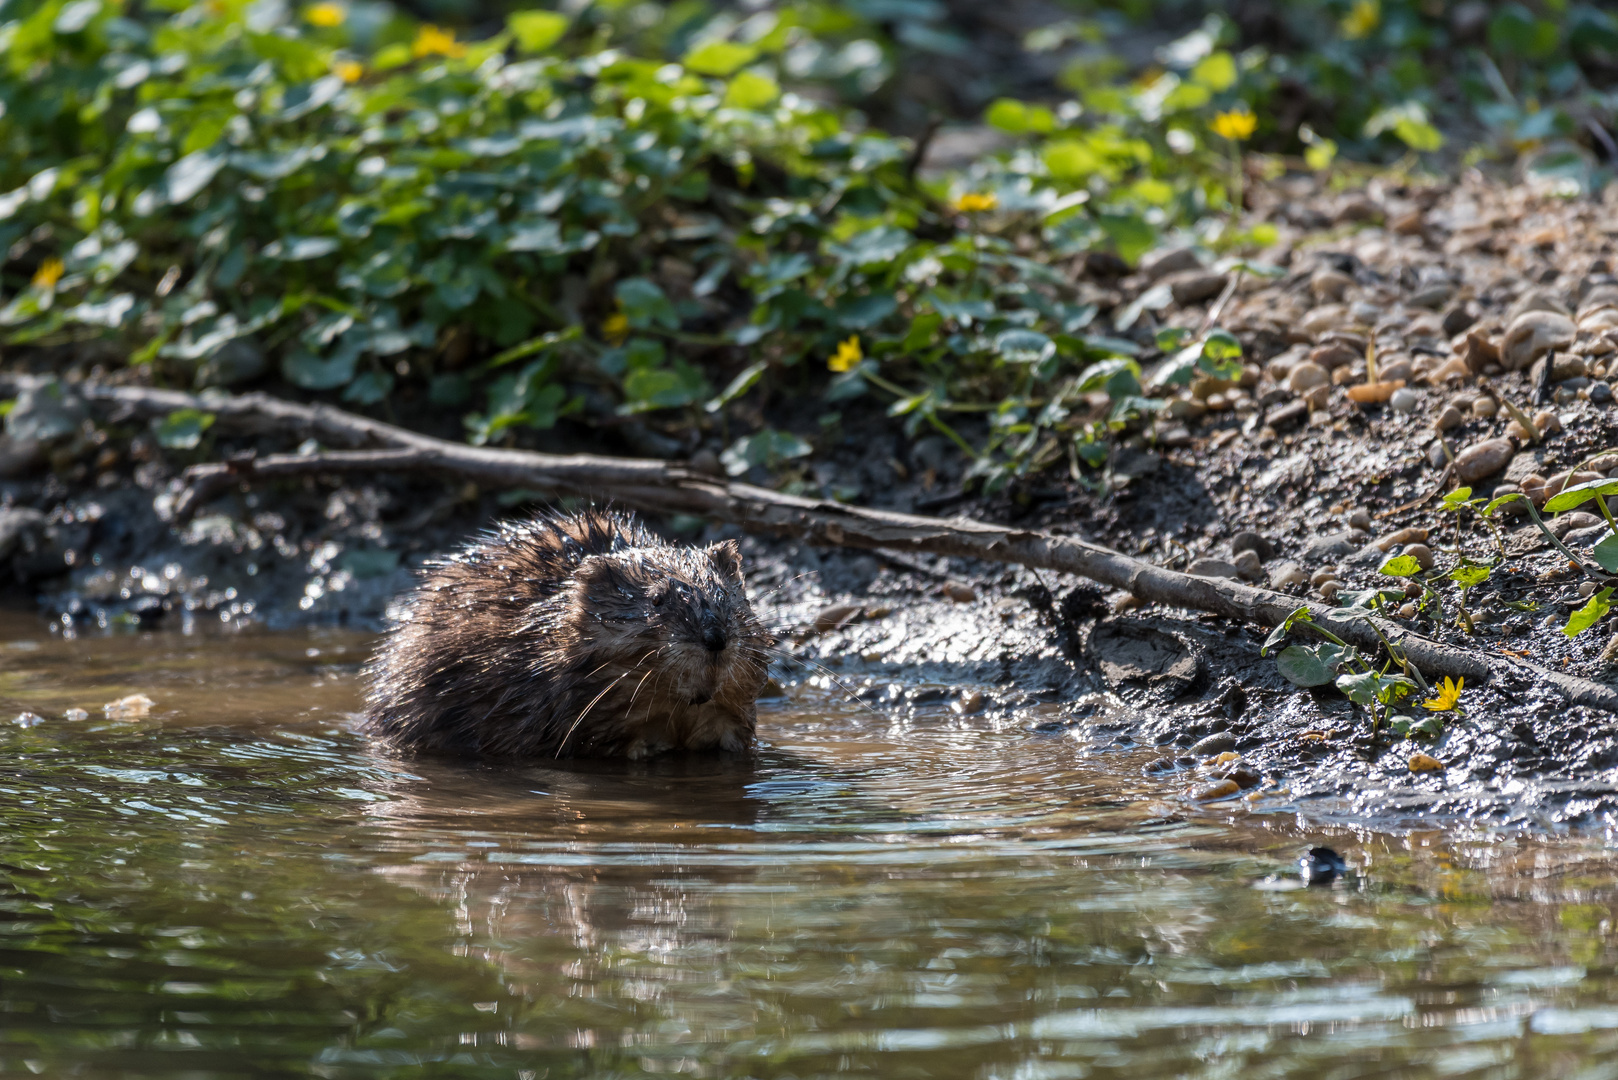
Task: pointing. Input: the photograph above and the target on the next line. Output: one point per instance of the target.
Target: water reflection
(239, 886)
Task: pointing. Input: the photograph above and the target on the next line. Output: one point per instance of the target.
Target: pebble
(960, 592)
(1407, 611)
(1220, 789)
(1485, 407)
(970, 702)
(1403, 536)
(76, 715)
(1320, 577)
(1600, 393)
(1195, 286)
(1483, 459)
(1214, 568)
(1307, 376)
(1532, 334)
(1218, 743)
(1361, 520)
(1404, 400)
(1252, 541)
(1330, 284)
(1248, 564)
(128, 708)
(1286, 575)
(1330, 589)
(1420, 762)
(1449, 419)
(1321, 866)
(1586, 588)
(1421, 553)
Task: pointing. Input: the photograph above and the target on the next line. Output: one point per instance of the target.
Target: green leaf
(1606, 553)
(1019, 346)
(1216, 71)
(1495, 504)
(1579, 494)
(751, 90)
(741, 384)
(304, 369)
(1279, 634)
(1308, 665)
(1468, 577)
(1588, 615)
(536, 31)
(370, 388)
(719, 58)
(1020, 118)
(768, 448)
(645, 305)
(1401, 566)
(1170, 338)
(1455, 499)
(182, 429)
(1361, 688)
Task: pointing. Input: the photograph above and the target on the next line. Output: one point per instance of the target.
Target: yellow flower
(1365, 17)
(326, 15)
(1235, 125)
(615, 328)
(432, 41)
(847, 355)
(48, 274)
(974, 201)
(1449, 696)
(349, 70)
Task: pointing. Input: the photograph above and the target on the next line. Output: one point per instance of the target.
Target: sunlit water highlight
(238, 885)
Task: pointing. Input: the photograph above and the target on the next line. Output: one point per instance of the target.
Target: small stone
(1287, 575)
(1407, 611)
(970, 702)
(1195, 286)
(1533, 334)
(128, 708)
(1336, 354)
(1449, 419)
(1420, 762)
(1214, 568)
(1360, 519)
(1317, 399)
(1457, 320)
(1330, 284)
(1565, 366)
(1330, 589)
(1483, 459)
(1252, 541)
(1306, 376)
(1586, 588)
(1248, 565)
(1404, 400)
(1330, 546)
(1485, 408)
(1160, 264)
(76, 715)
(960, 592)
(1320, 577)
(707, 462)
(1600, 393)
(1219, 742)
(1421, 553)
(1547, 422)
(1219, 789)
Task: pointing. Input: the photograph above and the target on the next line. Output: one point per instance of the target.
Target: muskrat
(573, 635)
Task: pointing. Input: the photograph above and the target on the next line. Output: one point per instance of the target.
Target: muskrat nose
(713, 634)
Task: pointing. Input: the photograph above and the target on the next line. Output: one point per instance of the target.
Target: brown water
(238, 885)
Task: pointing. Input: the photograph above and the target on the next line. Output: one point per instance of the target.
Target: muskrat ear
(726, 557)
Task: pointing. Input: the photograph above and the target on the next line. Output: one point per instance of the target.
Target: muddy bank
(1416, 339)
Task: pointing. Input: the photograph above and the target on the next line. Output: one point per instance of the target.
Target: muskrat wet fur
(573, 635)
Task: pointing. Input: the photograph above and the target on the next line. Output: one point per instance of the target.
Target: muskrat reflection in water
(573, 635)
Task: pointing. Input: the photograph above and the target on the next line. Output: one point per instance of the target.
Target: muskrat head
(681, 616)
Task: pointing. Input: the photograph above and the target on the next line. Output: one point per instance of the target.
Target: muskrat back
(573, 635)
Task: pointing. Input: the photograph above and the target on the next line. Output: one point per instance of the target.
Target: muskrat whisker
(586, 712)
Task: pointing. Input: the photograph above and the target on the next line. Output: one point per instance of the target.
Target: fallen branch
(667, 487)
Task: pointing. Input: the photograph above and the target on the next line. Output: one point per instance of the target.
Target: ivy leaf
(1401, 566)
